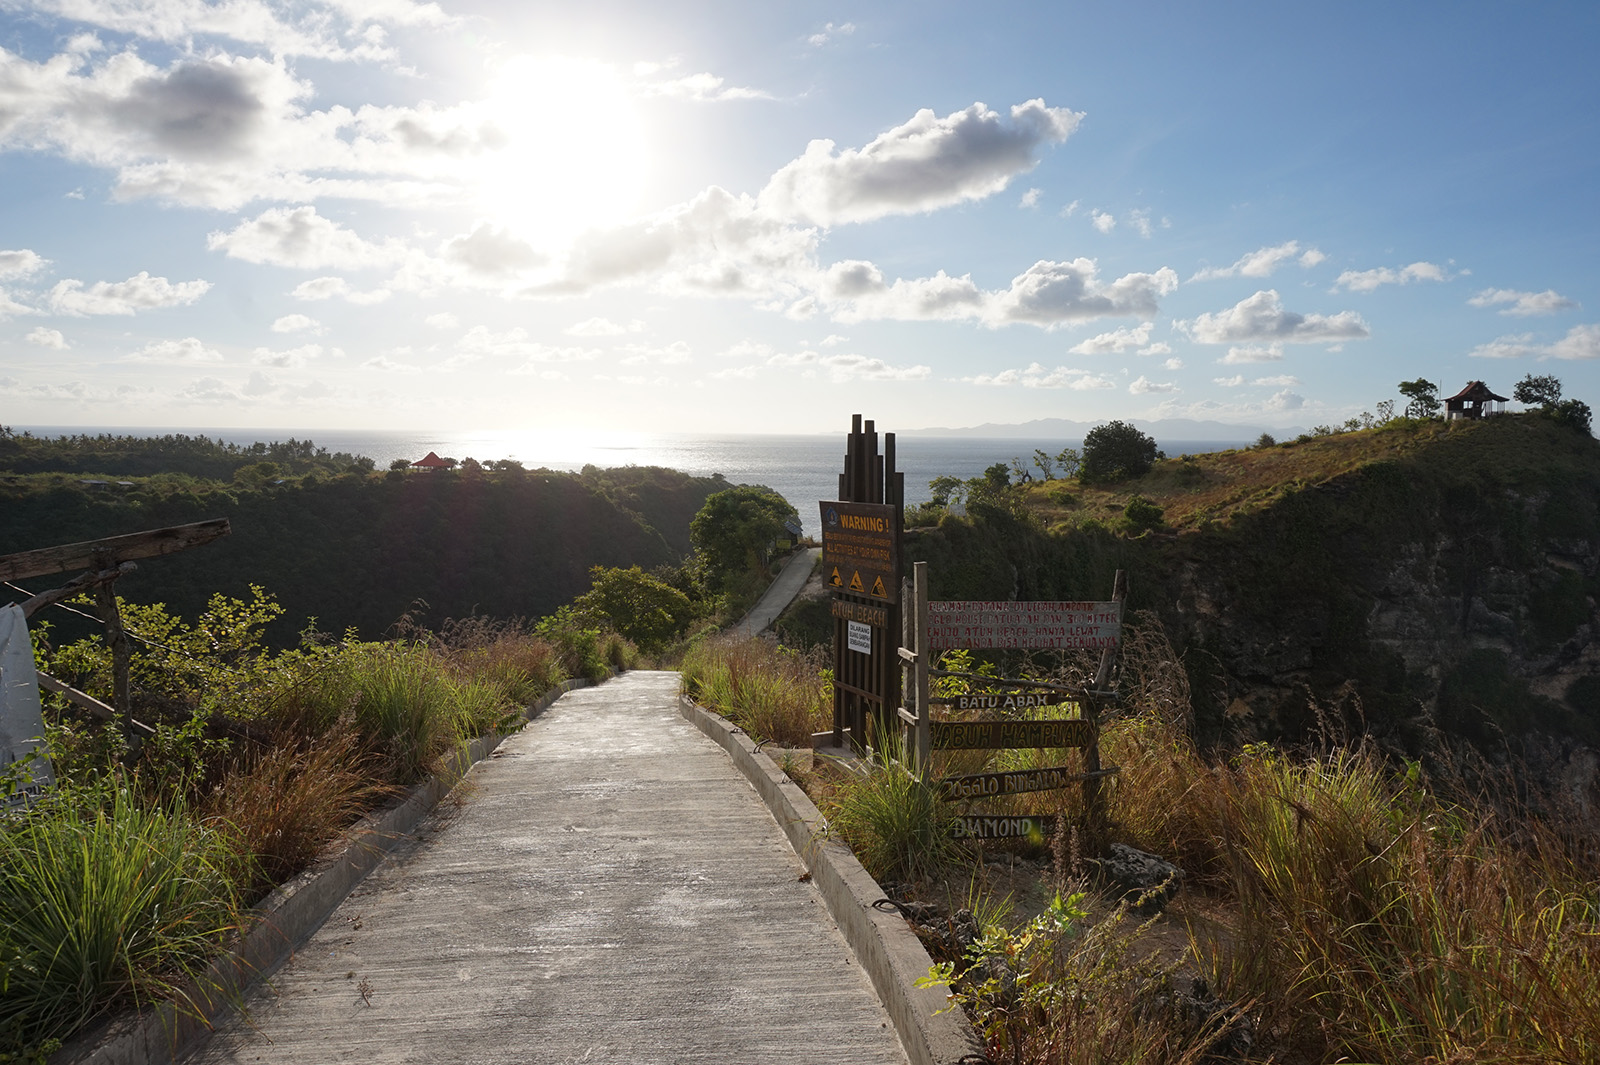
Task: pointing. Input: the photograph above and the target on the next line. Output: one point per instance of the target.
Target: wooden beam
(87, 701)
(106, 553)
(32, 606)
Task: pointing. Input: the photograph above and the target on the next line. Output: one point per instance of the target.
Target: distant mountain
(1066, 429)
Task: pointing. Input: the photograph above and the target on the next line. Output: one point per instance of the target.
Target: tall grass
(396, 697)
(893, 819)
(105, 906)
(772, 693)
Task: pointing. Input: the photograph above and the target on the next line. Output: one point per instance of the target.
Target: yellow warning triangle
(837, 581)
(855, 581)
(877, 589)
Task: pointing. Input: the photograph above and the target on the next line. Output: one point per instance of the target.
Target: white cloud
(843, 368)
(641, 354)
(1070, 209)
(1052, 293)
(1104, 221)
(1031, 198)
(480, 341)
(140, 292)
(47, 338)
(1368, 280)
(704, 88)
(1140, 220)
(324, 288)
(207, 391)
(1522, 304)
(1507, 347)
(297, 323)
(442, 320)
(293, 358)
(187, 350)
(299, 237)
(1229, 382)
(1036, 376)
(340, 30)
(1261, 317)
(9, 306)
(1286, 400)
(1283, 380)
(1114, 342)
(924, 164)
(603, 327)
(1144, 386)
(1172, 364)
(1252, 353)
(384, 364)
(833, 340)
(830, 31)
(492, 251)
(1264, 261)
(20, 263)
(1581, 342)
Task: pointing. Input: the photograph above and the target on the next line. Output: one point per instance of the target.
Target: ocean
(803, 469)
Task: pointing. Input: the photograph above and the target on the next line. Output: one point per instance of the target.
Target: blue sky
(743, 217)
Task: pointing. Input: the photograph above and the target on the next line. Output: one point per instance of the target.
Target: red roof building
(1474, 401)
(430, 461)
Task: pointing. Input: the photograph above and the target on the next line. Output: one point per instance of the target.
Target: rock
(1147, 880)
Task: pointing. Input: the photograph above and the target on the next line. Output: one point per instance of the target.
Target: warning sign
(858, 637)
(861, 548)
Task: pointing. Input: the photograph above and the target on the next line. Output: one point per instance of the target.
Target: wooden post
(121, 655)
(924, 651)
(1093, 805)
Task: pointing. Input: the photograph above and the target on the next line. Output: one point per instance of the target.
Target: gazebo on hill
(430, 461)
(1474, 401)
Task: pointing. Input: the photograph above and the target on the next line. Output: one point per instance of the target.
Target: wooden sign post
(994, 625)
(861, 564)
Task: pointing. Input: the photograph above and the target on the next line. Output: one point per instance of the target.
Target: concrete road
(607, 889)
(779, 594)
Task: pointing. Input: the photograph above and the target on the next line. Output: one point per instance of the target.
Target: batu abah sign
(1036, 626)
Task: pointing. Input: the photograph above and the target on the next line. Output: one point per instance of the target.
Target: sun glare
(574, 155)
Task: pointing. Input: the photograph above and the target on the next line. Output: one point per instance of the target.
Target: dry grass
(772, 693)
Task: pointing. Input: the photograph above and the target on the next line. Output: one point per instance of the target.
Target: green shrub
(771, 692)
(894, 821)
(1142, 514)
(105, 907)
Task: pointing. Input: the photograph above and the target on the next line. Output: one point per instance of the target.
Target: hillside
(359, 549)
(1409, 579)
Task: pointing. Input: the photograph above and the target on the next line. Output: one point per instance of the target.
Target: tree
(1116, 451)
(946, 489)
(733, 530)
(641, 607)
(1045, 462)
(1542, 391)
(1067, 459)
(1574, 413)
(1424, 398)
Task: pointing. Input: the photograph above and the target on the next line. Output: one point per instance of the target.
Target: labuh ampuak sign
(22, 747)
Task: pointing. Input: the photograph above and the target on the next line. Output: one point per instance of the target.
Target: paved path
(608, 889)
(779, 594)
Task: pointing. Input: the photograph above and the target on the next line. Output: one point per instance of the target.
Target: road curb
(894, 958)
(281, 922)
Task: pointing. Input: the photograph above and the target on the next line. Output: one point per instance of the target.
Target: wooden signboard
(1017, 782)
(1036, 626)
(1037, 828)
(861, 549)
(1004, 735)
(1007, 701)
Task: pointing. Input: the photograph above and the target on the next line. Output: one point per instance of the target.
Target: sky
(743, 217)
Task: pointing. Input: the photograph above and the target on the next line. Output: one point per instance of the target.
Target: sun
(572, 154)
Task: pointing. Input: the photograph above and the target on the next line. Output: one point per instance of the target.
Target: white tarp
(21, 724)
